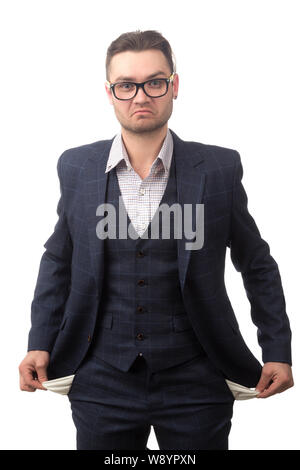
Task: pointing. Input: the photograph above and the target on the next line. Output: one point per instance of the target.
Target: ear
(108, 92)
(175, 84)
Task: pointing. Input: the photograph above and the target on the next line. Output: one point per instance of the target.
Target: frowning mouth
(143, 112)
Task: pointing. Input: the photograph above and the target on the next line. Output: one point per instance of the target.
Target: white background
(238, 66)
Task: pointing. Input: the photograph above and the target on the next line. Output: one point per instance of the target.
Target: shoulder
(221, 164)
(75, 158)
(215, 156)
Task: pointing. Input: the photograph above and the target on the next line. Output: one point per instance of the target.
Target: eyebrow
(131, 79)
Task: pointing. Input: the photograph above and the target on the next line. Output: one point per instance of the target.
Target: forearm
(47, 307)
(268, 310)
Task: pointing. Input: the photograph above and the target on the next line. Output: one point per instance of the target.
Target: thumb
(41, 372)
(264, 381)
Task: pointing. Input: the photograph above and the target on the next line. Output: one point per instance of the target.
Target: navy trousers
(189, 406)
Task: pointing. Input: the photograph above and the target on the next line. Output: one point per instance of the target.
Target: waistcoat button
(140, 254)
(141, 282)
(140, 309)
(140, 336)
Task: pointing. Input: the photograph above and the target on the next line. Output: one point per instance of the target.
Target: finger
(41, 376)
(278, 386)
(271, 390)
(27, 388)
(24, 386)
(264, 382)
(27, 381)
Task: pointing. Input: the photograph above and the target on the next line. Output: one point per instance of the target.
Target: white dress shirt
(141, 197)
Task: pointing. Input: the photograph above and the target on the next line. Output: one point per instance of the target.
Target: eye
(155, 83)
(125, 86)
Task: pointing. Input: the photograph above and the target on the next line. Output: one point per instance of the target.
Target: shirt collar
(118, 153)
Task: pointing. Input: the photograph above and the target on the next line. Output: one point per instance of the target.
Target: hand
(33, 370)
(276, 377)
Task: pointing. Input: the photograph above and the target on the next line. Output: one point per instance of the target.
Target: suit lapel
(190, 188)
(95, 189)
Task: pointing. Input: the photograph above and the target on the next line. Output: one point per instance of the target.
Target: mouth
(146, 111)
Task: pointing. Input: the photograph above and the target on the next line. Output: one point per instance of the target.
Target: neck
(142, 149)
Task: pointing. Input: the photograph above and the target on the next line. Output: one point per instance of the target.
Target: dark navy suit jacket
(69, 284)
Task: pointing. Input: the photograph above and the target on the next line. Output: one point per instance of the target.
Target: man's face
(139, 67)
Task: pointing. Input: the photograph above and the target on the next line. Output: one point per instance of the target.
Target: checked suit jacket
(68, 290)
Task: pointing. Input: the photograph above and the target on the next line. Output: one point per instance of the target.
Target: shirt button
(142, 192)
(140, 336)
(141, 282)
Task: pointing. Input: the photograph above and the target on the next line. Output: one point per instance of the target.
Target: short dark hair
(140, 41)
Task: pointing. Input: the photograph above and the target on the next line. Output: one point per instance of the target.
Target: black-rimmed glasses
(154, 88)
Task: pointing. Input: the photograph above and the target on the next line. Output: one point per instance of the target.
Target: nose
(141, 96)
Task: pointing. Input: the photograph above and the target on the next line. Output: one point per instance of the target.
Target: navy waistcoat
(141, 310)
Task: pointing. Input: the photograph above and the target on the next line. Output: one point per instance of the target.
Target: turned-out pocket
(240, 392)
(62, 385)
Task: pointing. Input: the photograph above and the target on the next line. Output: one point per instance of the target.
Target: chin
(141, 127)
(151, 125)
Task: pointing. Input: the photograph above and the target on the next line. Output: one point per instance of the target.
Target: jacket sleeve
(250, 255)
(53, 282)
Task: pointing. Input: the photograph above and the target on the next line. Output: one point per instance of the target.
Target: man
(139, 330)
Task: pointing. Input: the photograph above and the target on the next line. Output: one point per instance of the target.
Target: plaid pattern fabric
(189, 406)
(154, 309)
(141, 196)
(66, 299)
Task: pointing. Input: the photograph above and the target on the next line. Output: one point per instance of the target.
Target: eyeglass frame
(141, 85)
